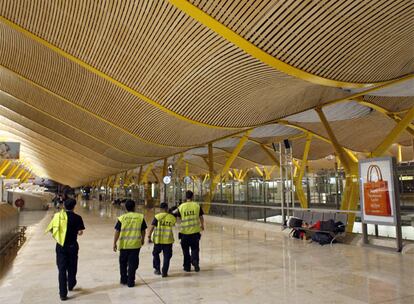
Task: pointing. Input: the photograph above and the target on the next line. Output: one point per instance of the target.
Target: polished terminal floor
(241, 262)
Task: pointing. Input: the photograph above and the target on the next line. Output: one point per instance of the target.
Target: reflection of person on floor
(65, 227)
(192, 222)
(130, 231)
(163, 239)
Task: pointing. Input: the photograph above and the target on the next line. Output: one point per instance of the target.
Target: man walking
(192, 222)
(163, 239)
(130, 230)
(65, 227)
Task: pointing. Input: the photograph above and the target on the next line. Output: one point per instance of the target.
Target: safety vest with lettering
(163, 233)
(58, 226)
(130, 234)
(190, 218)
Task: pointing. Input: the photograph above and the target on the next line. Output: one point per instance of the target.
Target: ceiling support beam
(394, 134)
(298, 179)
(102, 75)
(256, 52)
(6, 164)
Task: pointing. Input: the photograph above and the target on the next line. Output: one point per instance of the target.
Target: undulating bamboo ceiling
(92, 88)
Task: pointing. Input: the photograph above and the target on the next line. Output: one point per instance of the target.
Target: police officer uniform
(131, 227)
(65, 226)
(190, 213)
(163, 239)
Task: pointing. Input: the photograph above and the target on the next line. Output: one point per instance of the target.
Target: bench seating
(311, 217)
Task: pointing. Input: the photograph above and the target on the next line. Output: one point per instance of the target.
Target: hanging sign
(9, 150)
(167, 179)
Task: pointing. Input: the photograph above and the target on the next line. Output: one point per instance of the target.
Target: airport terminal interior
(282, 130)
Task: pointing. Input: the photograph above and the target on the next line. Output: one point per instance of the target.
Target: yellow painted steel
(399, 156)
(258, 53)
(233, 155)
(345, 159)
(258, 171)
(186, 169)
(105, 76)
(397, 119)
(298, 180)
(164, 167)
(195, 165)
(238, 156)
(4, 166)
(147, 171)
(12, 171)
(351, 191)
(155, 175)
(18, 174)
(378, 87)
(268, 172)
(224, 170)
(394, 134)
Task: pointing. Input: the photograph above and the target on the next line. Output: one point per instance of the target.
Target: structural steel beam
(108, 78)
(394, 134)
(147, 171)
(256, 52)
(4, 166)
(298, 180)
(345, 159)
(12, 171)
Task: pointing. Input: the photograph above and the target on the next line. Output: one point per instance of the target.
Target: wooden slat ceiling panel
(392, 104)
(12, 126)
(170, 58)
(345, 40)
(360, 134)
(80, 88)
(52, 129)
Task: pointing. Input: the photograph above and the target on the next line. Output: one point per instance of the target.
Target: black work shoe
(63, 298)
(197, 268)
(71, 287)
(164, 275)
(131, 285)
(187, 269)
(123, 283)
(157, 272)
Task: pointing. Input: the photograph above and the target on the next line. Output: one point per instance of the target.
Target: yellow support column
(399, 158)
(18, 174)
(394, 134)
(226, 167)
(351, 193)
(298, 179)
(4, 166)
(12, 171)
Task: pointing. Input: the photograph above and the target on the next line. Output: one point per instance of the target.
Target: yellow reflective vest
(163, 233)
(130, 234)
(58, 226)
(190, 218)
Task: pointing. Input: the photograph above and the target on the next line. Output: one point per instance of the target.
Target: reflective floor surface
(240, 263)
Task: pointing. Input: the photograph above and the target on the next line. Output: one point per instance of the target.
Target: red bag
(376, 194)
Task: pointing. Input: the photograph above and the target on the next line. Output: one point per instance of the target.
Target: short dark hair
(189, 194)
(69, 203)
(164, 206)
(130, 205)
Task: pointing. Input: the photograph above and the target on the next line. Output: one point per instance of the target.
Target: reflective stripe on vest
(130, 234)
(163, 233)
(190, 218)
(58, 226)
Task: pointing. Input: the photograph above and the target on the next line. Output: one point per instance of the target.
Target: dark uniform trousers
(128, 265)
(67, 263)
(167, 252)
(190, 241)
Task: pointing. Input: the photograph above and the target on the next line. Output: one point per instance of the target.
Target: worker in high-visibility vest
(163, 239)
(130, 231)
(192, 223)
(65, 227)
